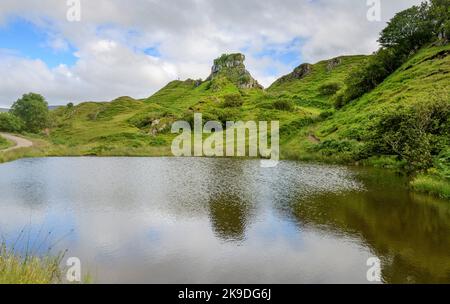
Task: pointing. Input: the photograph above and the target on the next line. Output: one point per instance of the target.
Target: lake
(199, 220)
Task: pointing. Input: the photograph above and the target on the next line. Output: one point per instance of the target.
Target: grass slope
(306, 89)
(418, 80)
(142, 127)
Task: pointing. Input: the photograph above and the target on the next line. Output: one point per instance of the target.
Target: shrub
(295, 126)
(233, 101)
(339, 101)
(370, 75)
(415, 134)
(10, 123)
(225, 115)
(326, 114)
(442, 164)
(329, 88)
(144, 120)
(344, 150)
(283, 105)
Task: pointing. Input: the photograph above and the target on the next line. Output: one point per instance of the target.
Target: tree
(33, 110)
(440, 16)
(409, 30)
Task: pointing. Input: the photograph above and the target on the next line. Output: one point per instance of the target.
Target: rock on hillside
(232, 67)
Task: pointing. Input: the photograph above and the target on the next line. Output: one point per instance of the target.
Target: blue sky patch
(30, 41)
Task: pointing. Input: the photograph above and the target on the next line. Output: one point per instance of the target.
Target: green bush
(283, 105)
(333, 147)
(339, 101)
(10, 123)
(416, 134)
(294, 126)
(442, 164)
(330, 88)
(325, 115)
(370, 75)
(233, 101)
(225, 115)
(144, 120)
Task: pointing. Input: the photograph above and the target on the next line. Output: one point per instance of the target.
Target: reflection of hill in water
(229, 217)
(409, 233)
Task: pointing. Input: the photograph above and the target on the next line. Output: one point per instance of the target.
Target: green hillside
(142, 127)
(307, 80)
(422, 79)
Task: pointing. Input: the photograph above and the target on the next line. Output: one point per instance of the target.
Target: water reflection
(410, 233)
(169, 220)
(229, 217)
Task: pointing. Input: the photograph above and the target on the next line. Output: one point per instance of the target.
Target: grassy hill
(306, 81)
(303, 102)
(422, 79)
(143, 126)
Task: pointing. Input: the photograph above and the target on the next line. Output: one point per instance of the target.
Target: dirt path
(314, 139)
(19, 142)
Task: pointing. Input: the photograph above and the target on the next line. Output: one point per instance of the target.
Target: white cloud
(112, 35)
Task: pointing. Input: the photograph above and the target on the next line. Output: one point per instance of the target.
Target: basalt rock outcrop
(299, 72)
(231, 67)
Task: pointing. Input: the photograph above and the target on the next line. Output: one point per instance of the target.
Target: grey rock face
(302, 71)
(333, 63)
(233, 68)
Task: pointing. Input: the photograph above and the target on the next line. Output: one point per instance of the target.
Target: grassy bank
(432, 185)
(16, 269)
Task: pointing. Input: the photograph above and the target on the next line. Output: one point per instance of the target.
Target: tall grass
(432, 185)
(28, 269)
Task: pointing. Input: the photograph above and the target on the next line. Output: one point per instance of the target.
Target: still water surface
(194, 220)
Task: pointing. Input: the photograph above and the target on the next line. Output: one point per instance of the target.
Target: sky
(135, 47)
